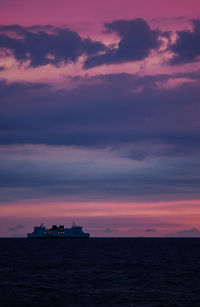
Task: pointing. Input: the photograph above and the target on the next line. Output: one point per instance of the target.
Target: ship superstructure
(60, 232)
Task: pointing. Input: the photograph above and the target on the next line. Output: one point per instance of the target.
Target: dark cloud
(105, 110)
(193, 232)
(41, 47)
(138, 118)
(137, 39)
(186, 49)
(2, 68)
(32, 172)
(15, 228)
(109, 230)
(150, 230)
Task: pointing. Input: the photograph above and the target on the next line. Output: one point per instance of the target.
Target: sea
(100, 272)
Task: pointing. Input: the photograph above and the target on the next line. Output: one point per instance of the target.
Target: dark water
(100, 272)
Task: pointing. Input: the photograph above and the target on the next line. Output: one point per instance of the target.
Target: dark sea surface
(100, 272)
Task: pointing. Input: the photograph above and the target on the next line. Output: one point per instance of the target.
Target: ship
(58, 232)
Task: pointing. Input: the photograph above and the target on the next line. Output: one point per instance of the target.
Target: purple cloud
(137, 39)
(186, 49)
(150, 230)
(109, 230)
(15, 228)
(40, 47)
(193, 232)
(107, 110)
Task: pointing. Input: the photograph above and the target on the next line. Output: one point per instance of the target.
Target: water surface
(100, 272)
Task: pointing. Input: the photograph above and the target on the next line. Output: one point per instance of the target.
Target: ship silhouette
(58, 232)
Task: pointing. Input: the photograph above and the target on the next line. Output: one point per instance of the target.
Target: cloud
(39, 45)
(109, 230)
(104, 111)
(137, 39)
(16, 228)
(46, 45)
(151, 133)
(193, 232)
(150, 230)
(186, 48)
(39, 171)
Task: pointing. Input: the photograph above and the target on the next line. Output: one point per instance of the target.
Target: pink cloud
(127, 218)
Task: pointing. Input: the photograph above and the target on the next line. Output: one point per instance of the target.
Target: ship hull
(57, 238)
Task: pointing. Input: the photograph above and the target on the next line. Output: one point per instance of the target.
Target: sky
(99, 120)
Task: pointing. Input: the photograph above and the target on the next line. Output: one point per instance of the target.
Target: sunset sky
(100, 116)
